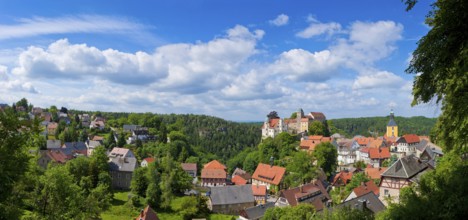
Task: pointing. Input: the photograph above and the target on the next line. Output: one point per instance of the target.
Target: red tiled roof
(259, 190)
(189, 166)
(269, 174)
(308, 144)
(57, 156)
(345, 177)
(364, 150)
(411, 138)
(304, 119)
(147, 214)
(375, 143)
(214, 173)
(274, 122)
(293, 194)
(363, 141)
(366, 188)
(238, 180)
(149, 159)
(214, 164)
(375, 173)
(315, 137)
(379, 153)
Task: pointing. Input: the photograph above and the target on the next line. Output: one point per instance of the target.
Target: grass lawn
(120, 211)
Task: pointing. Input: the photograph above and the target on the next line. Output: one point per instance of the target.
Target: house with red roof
(406, 145)
(363, 189)
(342, 178)
(272, 127)
(52, 155)
(147, 214)
(374, 172)
(378, 155)
(145, 162)
(260, 194)
(190, 168)
(313, 193)
(269, 176)
(214, 174)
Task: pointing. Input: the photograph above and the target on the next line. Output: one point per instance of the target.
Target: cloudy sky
(236, 60)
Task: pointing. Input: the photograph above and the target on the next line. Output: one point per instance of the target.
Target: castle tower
(392, 127)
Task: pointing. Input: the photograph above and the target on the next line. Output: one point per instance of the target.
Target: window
(386, 192)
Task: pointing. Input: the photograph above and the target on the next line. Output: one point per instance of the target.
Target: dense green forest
(369, 125)
(209, 134)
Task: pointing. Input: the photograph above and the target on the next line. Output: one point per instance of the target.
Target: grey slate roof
(258, 211)
(130, 127)
(127, 164)
(75, 145)
(372, 203)
(405, 167)
(231, 195)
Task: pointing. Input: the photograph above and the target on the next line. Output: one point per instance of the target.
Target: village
(378, 166)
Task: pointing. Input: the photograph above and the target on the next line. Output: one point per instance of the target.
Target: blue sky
(237, 60)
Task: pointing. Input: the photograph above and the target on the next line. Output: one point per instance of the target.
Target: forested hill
(206, 133)
(364, 126)
(215, 135)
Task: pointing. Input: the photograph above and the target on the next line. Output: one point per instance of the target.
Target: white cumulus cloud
(381, 79)
(281, 20)
(316, 29)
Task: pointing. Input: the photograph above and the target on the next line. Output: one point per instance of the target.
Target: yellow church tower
(392, 127)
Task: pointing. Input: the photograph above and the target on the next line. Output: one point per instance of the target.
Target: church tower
(392, 127)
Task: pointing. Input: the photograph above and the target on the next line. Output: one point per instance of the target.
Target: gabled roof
(372, 203)
(214, 164)
(274, 122)
(227, 195)
(238, 171)
(308, 144)
(147, 214)
(405, 167)
(365, 188)
(409, 138)
(119, 152)
(379, 153)
(259, 190)
(149, 159)
(375, 173)
(363, 141)
(97, 138)
(376, 143)
(344, 175)
(57, 156)
(269, 174)
(313, 193)
(257, 212)
(189, 166)
(238, 180)
(125, 164)
(214, 173)
(318, 116)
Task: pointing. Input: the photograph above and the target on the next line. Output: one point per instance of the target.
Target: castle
(294, 125)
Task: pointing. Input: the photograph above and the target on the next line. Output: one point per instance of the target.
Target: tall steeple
(392, 127)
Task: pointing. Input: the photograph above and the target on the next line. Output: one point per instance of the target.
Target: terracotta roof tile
(374, 173)
(214, 164)
(379, 153)
(376, 143)
(411, 138)
(147, 214)
(308, 144)
(269, 174)
(238, 180)
(189, 166)
(292, 195)
(149, 159)
(366, 188)
(344, 176)
(214, 173)
(363, 141)
(259, 190)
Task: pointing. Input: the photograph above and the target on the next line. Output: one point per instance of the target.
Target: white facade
(272, 127)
